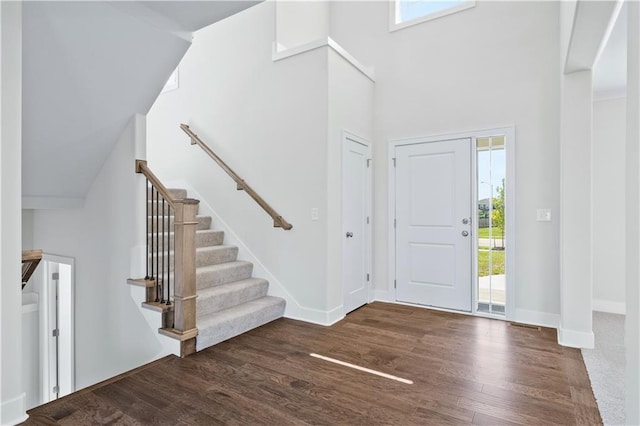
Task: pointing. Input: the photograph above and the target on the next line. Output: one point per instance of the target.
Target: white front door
(433, 224)
(356, 180)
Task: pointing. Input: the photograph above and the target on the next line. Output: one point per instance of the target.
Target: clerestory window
(404, 13)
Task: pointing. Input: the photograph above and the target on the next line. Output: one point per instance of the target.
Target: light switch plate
(315, 215)
(543, 215)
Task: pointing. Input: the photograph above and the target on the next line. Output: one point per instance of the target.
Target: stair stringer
(293, 309)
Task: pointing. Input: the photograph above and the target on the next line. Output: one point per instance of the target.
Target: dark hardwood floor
(466, 370)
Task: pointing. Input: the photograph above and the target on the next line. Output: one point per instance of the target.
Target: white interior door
(356, 201)
(433, 224)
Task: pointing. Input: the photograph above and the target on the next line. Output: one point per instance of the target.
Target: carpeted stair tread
(176, 193)
(204, 238)
(205, 256)
(209, 276)
(218, 298)
(219, 326)
(215, 255)
(204, 222)
(154, 207)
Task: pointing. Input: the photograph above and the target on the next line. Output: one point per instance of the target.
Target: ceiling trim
(592, 25)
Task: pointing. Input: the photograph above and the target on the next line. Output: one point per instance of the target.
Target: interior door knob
(349, 234)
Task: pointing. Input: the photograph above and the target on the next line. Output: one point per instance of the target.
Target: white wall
(488, 72)
(632, 231)
(575, 216)
(474, 70)
(112, 334)
(268, 121)
(27, 229)
(490, 66)
(300, 22)
(279, 125)
(12, 397)
(609, 132)
(350, 109)
(31, 383)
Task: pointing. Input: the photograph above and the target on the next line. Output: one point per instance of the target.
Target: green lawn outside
(497, 262)
(484, 232)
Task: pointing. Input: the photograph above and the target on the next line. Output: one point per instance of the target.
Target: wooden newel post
(185, 225)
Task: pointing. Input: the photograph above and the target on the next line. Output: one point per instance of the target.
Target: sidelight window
(490, 232)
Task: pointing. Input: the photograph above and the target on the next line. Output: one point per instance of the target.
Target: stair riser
(203, 239)
(177, 194)
(236, 273)
(229, 299)
(204, 222)
(224, 330)
(204, 257)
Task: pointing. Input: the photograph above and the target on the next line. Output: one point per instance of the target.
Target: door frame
(346, 136)
(510, 215)
(45, 326)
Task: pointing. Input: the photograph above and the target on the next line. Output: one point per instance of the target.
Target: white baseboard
(575, 339)
(382, 296)
(609, 306)
(542, 319)
(317, 316)
(13, 411)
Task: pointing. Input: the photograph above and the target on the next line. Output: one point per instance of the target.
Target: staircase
(229, 300)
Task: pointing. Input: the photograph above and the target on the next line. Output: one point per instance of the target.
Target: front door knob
(465, 233)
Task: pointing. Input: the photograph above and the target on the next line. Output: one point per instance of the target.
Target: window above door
(405, 13)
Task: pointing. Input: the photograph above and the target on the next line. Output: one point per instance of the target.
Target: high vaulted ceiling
(88, 67)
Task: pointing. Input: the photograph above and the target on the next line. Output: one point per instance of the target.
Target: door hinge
(394, 222)
(55, 332)
(368, 162)
(55, 276)
(56, 389)
(367, 220)
(367, 277)
(395, 285)
(394, 162)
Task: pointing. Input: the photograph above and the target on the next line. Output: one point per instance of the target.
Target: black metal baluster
(160, 248)
(168, 257)
(147, 277)
(154, 242)
(157, 252)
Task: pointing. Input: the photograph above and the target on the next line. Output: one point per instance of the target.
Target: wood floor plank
(465, 370)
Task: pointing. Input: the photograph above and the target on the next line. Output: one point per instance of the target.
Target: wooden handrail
(278, 221)
(30, 261)
(141, 167)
